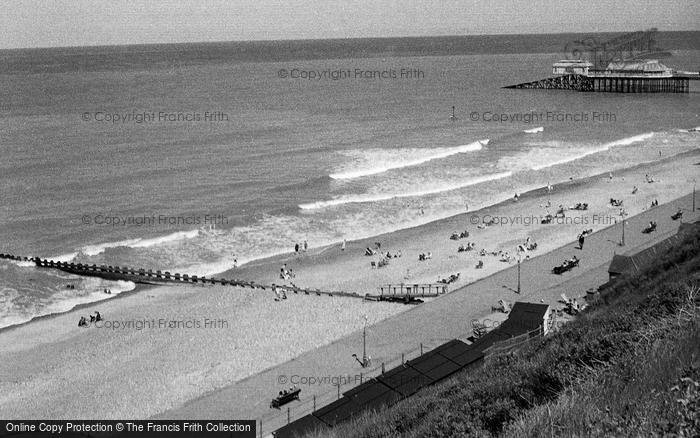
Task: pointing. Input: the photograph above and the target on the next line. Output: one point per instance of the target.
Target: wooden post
(314, 404)
(261, 428)
(421, 349)
(382, 367)
(338, 391)
(288, 415)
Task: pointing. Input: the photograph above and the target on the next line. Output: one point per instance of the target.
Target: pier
(610, 83)
(648, 76)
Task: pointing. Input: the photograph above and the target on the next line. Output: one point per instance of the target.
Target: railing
(503, 347)
(630, 74)
(307, 405)
(433, 289)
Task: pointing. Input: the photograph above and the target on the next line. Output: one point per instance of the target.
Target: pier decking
(407, 293)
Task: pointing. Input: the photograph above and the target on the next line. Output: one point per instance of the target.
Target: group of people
(303, 247)
(286, 274)
(285, 392)
(456, 236)
(616, 202)
(451, 279)
(655, 203)
(423, 256)
(280, 293)
(567, 264)
(650, 228)
(93, 318)
(468, 247)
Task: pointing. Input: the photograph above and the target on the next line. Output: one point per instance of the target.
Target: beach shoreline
(57, 360)
(250, 271)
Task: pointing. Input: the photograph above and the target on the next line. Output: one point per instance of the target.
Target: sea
(193, 157)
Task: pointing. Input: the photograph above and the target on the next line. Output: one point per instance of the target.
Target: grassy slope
(628, 366)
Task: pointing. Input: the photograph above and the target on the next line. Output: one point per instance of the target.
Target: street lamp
(519, 256)
(365, 360)
(623, 213)
(694, 182)
(519, 259)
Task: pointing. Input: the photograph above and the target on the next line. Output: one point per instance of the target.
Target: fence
(307, 405)
(511, 344)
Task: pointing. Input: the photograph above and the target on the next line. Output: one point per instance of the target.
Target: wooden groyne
(144, 276)
(148, 276)
(299, 290)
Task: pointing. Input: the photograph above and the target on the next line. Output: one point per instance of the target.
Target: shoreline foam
(283, 256)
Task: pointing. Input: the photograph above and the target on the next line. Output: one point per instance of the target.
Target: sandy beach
(144, 368)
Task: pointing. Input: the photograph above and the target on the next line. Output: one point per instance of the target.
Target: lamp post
(623, 213)
(365, 360)
(519, 257)
(364, 342)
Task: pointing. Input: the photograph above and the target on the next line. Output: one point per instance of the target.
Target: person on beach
(634, 190)
(580, 241)
(296, 248)
(342, 247)
(306, 245)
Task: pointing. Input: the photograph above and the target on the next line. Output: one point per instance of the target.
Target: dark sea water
(184, 157)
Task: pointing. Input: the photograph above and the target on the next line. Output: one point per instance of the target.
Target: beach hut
(530, 316)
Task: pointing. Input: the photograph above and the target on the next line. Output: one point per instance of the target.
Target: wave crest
(387, 159)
